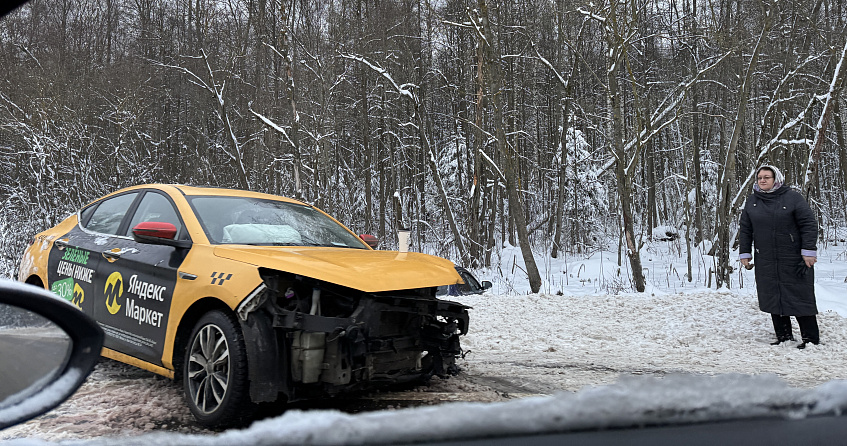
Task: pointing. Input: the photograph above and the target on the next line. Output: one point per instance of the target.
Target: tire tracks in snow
(527, 378)
(588, 367)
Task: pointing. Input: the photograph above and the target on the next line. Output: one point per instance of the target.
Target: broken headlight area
(332, 339)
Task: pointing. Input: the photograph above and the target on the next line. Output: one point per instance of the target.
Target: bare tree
(420, 124)
(491, 50)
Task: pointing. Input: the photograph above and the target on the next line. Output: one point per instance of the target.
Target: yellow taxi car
(248, 297)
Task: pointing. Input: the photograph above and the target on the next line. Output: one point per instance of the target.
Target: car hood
(364, 270)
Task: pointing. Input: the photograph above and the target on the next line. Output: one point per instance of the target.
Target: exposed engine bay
(323, 339)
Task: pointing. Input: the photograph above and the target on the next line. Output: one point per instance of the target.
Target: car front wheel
(215, 376)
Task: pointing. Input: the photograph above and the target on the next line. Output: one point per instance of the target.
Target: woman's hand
(810, 261)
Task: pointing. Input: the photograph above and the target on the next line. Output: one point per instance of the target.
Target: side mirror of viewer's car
(9, 6)
(47, 349)
(158, 233)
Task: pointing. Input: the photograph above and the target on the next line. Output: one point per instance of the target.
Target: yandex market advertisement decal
(71, 273)
(136, 313)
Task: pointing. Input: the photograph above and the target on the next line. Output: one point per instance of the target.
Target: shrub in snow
(665, 233)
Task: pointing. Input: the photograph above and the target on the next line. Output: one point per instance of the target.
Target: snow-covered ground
(581, 338)
(569, 342)
(586, 358)
(665, 268)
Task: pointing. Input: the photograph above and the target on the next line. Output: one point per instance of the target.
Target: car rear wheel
(215, 376)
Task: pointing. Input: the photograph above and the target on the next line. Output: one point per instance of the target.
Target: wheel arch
(186, 324)
(35, 279)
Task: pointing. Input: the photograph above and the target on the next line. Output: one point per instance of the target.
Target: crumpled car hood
(364, 270)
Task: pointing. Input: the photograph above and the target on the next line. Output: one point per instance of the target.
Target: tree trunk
(835, 88)
(477, 210)
(364, 125)
(294, 136)
(616, 56)
(842, 155)
(726, 181)
(516, 211)
(564, 90)
(442, 191)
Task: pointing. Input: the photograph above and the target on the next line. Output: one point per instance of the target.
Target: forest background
(554, 126)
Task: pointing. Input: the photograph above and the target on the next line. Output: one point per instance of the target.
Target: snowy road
(38, 352)
(518, 346)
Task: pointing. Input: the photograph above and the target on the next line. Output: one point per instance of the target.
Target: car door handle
(112, 255)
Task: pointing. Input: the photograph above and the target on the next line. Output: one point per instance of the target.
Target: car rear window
(110, 213)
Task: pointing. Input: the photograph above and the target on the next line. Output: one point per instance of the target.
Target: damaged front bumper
(335, 340)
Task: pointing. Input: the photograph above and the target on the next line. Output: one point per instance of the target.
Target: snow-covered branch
(402, 89)
(831, 96)
(272, 125)
(659, 120)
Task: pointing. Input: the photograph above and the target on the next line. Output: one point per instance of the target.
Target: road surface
(37, 353)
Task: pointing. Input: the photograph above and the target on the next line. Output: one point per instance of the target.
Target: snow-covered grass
(665, 267)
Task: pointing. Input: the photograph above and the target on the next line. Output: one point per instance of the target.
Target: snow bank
(633, 401)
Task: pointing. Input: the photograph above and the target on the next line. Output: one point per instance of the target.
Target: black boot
(782, 327)
(808, 330)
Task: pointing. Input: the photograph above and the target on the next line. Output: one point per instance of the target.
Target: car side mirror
(158, 233)
(48, 347)
(369, 240)
(486, 284)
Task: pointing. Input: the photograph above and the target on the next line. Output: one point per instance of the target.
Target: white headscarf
(778, 179)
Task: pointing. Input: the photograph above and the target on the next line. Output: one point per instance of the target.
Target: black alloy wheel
(215, 377)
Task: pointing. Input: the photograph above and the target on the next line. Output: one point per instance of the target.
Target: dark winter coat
(778, 225)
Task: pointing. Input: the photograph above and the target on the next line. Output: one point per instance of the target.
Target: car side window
(154, 207)
(85, 214)
(110, 213)
(470, 282)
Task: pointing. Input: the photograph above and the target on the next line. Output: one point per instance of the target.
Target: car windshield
(252, 221)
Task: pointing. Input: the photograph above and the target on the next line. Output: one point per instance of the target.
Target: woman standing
(778, 222)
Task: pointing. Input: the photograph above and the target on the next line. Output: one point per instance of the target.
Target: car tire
(215, 378)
